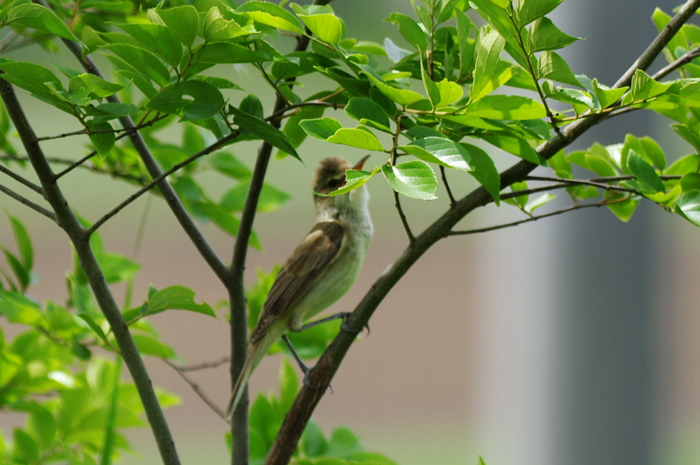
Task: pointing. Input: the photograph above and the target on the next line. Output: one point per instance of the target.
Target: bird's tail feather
(255, 355)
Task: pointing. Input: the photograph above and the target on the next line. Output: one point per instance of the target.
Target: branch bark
(321, 375)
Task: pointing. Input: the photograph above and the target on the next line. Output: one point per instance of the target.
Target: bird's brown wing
(308, 262)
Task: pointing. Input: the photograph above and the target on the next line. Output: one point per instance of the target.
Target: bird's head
(329, 176)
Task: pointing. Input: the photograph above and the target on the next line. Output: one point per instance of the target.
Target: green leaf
(116, 268)
(183, 22)
(143, 62)
(687, 164)
(294, 131)
(43, 424)
(529, 10)
(271, 15)
(484, 171)
(544, 35)
(320, 128)
(26, 449)
(536, 203)
(103, 141)
(441, 151)
(654, 152)
(449, 92)
(414, 179)
(368, 112)
(605, 95)
(33, 78)
(400, 96)
(327, 27)
(343, 443)
(466, 48)
(289, 385)
(644, 172)
(191, 99)
(177, 298)
(20, 273)
(645, 87)
(150, 346)
(688, 206)
(216, 53)
(358, 137)
(551, 66)
(24, 244)
(217, 28)
(93, 326)
(488, 75)
(260, 128)
(312, 441)
(512, 107)
(227, 164)
(20, 309)
(40, 18)
(353, 180)
(515, 146)
(270, 198)
(410, 30)
(156, 38)
(690, 182)
(688, 135)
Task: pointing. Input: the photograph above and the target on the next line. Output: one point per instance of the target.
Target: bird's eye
(336, 183)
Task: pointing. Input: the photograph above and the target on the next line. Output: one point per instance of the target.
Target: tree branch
(682, 60)
(70, 224)
(321, 375)
(186, 222)
(28, 203)
(22, 180)
(195, 387)
(236, 285)
(532, 218)
(212, 148)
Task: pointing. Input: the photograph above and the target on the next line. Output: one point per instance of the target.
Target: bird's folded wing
(306, 265)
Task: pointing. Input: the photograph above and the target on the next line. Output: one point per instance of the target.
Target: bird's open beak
(358, 165)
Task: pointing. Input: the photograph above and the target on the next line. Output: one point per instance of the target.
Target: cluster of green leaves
(75, 403)
(158, 57)
(343, 447)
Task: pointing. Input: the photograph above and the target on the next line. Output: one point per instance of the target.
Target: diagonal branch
(183, 217)
(321, 375)
(21, 180)
(533, 218)
(28, 203)
(67, 220)
(212, 148)
(182, 371)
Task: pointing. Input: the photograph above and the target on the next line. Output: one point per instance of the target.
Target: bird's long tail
(255, 356)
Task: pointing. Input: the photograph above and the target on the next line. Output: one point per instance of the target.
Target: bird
(322, 268)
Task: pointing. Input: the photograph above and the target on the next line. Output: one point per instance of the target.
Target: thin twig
(447, 186)
(28, 203)
(205, 365)
(532, 218)
(682, 60)
(75, 164)
(212, 148)
(583, 182)
(195, 387)
(397, 201)
(22, 180)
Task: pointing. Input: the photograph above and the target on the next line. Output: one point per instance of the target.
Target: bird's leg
(342, 315)
(302, 366)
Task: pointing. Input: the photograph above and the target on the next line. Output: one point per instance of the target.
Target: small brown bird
(321, 269)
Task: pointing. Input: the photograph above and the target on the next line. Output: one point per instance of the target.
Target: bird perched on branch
(319, 272)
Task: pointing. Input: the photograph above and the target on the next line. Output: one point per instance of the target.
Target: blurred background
(572, 340)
